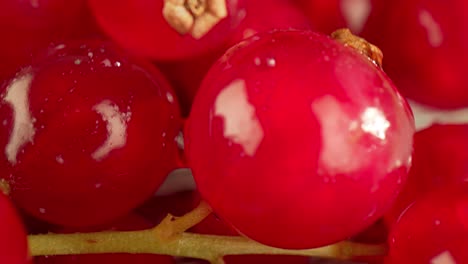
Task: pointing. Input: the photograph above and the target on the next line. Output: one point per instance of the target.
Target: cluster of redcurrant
(300, 141)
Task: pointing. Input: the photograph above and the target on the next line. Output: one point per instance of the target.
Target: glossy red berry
(425, 43)
(297, 140)
(432, 230)
(13, 243)
(87, 134)
(145, 31)
(440, 159)
(27, 27)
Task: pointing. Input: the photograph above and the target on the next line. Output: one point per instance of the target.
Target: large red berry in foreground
(434, 229)
(425, 45)
(13, 243)
(297, 140)
(146, 31)
(87, 134)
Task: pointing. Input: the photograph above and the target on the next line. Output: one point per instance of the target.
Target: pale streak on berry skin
(116, 128)
(240, 121)
(23, 125)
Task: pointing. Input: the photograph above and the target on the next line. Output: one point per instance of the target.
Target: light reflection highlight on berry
(336, 126)
(433, 30)
(241, 124)
(374, 122)
(443, 258)
(116, 128)
(17, 96)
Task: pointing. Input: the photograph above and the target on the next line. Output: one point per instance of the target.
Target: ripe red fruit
(27, 27)
(13, 243)
(432, 230)
(88, 134)
(128, 223)
(146, 32)
(297, 140)
(425, 43)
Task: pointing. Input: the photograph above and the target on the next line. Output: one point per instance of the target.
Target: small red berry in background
(28, 27)
(145, 28)
(88, 133)
(330, 15)
(425, 45)
(434, 229)
(440, 159)
(13, 243)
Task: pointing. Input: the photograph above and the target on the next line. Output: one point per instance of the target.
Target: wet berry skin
(425, 44)
(298, 141)
(88, 134)
(13, 243)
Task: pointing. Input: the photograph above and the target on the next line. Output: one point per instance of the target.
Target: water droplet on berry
(432, 27)
(169, 97)
(59, 159)
(271, 62)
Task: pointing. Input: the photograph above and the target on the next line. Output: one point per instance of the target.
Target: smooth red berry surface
(440, 159)
(145, 31)
(87, 134)
(297, 140)
(127, 223)
(13, 243)
(27, 27)
(432, 230)
(265, 15)
(329, 15)
(425, 44)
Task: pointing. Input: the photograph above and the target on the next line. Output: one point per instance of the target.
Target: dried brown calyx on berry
(347, 38)
(194, 17)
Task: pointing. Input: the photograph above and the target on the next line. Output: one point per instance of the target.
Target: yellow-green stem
(190, 245)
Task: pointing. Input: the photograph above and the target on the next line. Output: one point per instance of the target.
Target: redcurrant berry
(297, 140)
(88, 134)
(425, 43)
